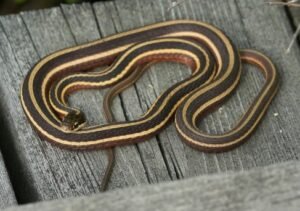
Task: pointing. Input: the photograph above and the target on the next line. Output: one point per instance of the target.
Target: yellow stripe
(227, 144)
(195, 94)
(253, 110)
(40, 64)
(64, 141)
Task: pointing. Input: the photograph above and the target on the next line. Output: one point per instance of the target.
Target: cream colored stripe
(227, 144)
(253, 110)
(83, 59)
(39, 65)
(48, 135)
(179, 51)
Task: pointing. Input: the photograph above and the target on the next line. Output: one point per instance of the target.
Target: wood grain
(295, 19)
(50, 172)
(295, 12)
(271, 188)
(7, 196)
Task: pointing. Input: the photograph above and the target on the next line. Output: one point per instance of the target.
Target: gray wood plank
(128, 162)
(233, 17)
(295, 12)
(295, 16)
(21, 55)
(271, 188)
(51, 175)
(51, 172)
(156, 170)
(7, 196)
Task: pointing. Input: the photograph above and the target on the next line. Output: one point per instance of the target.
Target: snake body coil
(216, 69)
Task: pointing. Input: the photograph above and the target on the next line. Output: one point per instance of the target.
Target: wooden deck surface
(7, 196)
(271, 188)
(39, 171)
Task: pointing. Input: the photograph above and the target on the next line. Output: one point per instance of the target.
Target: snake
(215, 63)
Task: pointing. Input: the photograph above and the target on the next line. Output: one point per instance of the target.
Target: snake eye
(75, 125)
(73, 121)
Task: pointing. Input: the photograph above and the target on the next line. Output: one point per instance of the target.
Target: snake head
(73, 121)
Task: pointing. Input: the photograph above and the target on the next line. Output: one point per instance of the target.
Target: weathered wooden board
(48, 172)
(275, 187)
(295, 12)
(295, 16)
(7, 197)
